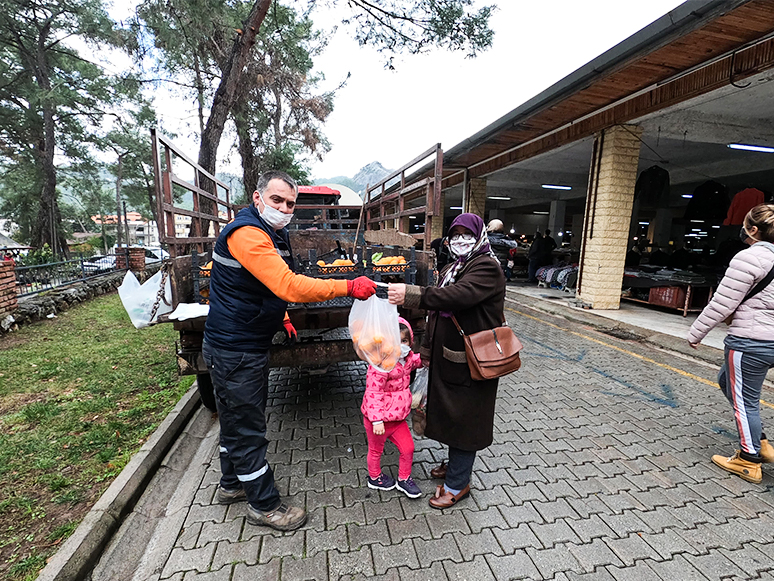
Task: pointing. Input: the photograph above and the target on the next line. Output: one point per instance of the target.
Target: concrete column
(476, 198)
(556, 217)
(495, 214)
(577, 231)
(660, 229)
(609, 212)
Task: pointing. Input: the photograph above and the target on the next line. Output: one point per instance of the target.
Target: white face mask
(462, 244)
(273, 217)
(404, 351)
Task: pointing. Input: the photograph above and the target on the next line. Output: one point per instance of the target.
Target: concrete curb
(80, 552)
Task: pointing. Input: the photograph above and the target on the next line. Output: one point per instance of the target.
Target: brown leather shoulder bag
(491, 353)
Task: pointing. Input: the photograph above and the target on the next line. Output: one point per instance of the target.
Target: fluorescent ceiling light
(497, 198)
(689, 196)
(698, 221)
(644, 223)
(413, 217)
(540, 212)
(555, 187)
(456, 208)
(716, 226)
(746, 147)
(559, 234)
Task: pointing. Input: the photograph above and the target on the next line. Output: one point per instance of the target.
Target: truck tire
(204, 381)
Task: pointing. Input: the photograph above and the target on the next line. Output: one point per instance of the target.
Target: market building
(647, 145)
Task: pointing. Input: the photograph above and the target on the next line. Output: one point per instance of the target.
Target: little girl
(386, 405)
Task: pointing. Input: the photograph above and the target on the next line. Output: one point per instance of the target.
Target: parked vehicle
(155, 254)
(99, 264)
(322, 327)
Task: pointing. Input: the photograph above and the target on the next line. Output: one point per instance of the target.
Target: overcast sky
(393, 116)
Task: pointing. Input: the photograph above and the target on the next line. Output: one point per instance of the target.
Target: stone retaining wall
(41, 306)
(7, 289)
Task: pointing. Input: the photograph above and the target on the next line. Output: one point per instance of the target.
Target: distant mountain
(370, 174)
(342, 180)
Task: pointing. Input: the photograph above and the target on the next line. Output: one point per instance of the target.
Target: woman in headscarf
(460, 411)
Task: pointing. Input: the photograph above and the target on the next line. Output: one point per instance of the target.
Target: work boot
(767, 451)
(750, 471)
(223, 496)
(282, 518)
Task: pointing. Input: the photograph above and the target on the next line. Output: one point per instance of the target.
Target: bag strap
(456, 324)
(760, 286)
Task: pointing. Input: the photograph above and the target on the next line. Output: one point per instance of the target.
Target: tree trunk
(225, 94)
(46, 230)
(277, 118)
(200, 93)
(250, 172)
(119, 171)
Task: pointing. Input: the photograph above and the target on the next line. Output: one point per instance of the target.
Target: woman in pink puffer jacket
(386, 405)
(749, 345)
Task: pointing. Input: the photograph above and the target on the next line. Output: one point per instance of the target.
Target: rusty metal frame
(164, 154)
(388, 207)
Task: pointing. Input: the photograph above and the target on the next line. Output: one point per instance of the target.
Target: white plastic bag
(373, 326)
(418, 389)
(138, 299)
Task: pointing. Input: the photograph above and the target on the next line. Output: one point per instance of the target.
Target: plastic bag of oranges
(373, 325)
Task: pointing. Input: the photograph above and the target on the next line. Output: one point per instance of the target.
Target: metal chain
(160, 294)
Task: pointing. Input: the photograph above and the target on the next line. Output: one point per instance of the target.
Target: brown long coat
(460, 411)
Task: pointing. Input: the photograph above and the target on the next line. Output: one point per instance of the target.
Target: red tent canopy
(321, 190)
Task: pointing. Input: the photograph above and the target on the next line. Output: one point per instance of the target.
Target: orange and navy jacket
(251, 283)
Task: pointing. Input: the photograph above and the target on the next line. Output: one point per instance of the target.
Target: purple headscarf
(475, 224)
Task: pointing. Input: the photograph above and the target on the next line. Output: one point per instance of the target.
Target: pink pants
(399, 434)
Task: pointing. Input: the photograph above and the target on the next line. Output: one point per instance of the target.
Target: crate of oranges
(338, 266)
(390, 264)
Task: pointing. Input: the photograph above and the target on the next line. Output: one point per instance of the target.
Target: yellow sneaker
(767, 451)
(750, 471)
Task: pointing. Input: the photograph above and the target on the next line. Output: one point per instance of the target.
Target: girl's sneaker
(384, 482)
(409, 488)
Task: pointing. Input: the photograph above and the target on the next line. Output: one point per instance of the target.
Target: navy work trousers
(241, 384)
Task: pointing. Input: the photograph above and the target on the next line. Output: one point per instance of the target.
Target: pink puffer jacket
(387, 396)
(753, 319)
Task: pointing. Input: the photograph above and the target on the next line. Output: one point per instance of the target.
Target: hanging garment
(743, 202)
(652, 187)
(709, 202)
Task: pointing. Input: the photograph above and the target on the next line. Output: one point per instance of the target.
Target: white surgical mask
(404, 351)
(462, 244)
(273, 217)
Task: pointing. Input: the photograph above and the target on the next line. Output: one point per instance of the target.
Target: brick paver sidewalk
(600, 470)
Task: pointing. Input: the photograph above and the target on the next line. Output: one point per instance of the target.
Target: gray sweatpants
(741, 379)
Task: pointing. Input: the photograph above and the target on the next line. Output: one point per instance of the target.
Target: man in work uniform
(252, 281)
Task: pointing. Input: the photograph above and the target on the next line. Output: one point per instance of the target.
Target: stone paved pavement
(600, 470)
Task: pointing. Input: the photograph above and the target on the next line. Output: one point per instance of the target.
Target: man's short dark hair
(275, 174)
(548, 232)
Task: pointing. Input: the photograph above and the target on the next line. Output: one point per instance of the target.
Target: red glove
(291, 331)
(361, 288)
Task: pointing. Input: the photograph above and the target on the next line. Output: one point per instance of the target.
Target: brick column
(608, 215)
(7, 288)
(136, 258)
(476, 198)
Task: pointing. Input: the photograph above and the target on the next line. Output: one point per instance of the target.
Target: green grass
(78, 396)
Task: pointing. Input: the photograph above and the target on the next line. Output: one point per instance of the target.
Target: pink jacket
(753, 319)
(387, 396)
